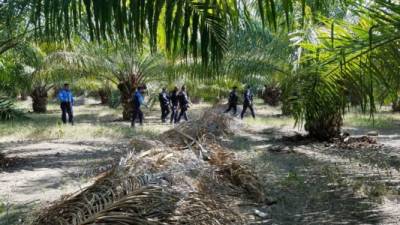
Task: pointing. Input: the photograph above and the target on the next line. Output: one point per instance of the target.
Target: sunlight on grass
(92, 121)
(270, 121)
(380, 120)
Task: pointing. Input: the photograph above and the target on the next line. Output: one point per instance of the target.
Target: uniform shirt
(233, 98)
(183, 99)
(163, 97)
(174, 99)
(138, 99)
(65, 96)
(248, 97)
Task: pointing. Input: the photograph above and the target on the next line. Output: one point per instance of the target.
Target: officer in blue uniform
(247, 102)
(138, 101)
(66, 99)
(163, 97)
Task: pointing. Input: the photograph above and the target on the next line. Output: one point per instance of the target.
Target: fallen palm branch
(185, 178)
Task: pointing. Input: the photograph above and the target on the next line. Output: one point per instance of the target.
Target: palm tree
(14, 27)
(124, 67)
(325, 67)
(347, 54)
(42, 72)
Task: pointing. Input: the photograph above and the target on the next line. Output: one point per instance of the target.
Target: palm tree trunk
(271, 95)
(326, 127)
(396, 105)
(104, 96)
(39, 99)
(126, 90)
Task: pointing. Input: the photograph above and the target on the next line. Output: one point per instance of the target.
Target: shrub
(8, 110)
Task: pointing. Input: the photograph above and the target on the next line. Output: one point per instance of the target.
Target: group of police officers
(176, 102)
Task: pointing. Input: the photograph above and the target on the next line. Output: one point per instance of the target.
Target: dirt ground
(51, 160)
(318, 183)
(311, 183)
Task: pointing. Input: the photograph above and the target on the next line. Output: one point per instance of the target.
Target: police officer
(138, 101)
(173, 97)
(183, 104)
(163, 97)
(232, 101)
(247, 102)
(66, 99)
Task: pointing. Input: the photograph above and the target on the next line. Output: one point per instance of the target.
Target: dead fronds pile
(211, 124)
(194, 180)
(358, 143)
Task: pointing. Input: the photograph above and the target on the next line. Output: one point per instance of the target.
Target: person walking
(173, 97)
(138, 101)
(247, 102)
(163, 97)
(66, 99)
(183, 104)
(232, 101)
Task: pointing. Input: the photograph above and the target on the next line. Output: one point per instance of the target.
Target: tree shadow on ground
(307, 190)
(51, 155)
(312, 192)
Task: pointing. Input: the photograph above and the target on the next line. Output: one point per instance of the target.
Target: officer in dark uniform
(183, 104)
(163, 97)
(138, 101)
(247, 102)
(232, 101)
(173, 97)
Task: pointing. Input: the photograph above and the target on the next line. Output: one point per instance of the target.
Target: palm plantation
(325, 80)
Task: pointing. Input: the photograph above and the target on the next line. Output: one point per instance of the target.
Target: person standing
(173, 97)
(232, 101)
(163, 97)
(183, 104)
(138, 101)
(247, 102)
(66, 99)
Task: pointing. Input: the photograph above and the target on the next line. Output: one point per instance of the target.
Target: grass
(269, 116)
(270, 121)
(92, 121)
(14, 213)
(381, 120)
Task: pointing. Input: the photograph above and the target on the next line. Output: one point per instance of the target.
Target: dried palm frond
(166, 185)
(107, 190)
(211, 123)
(200, 209)
(243, 177)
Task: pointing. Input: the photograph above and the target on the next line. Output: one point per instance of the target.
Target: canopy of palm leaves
(195, 26)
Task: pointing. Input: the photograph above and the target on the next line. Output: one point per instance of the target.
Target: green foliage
(14, 26)
(8, 110)
(340, 60)
(188, 26)
(2, 207)
(115, 99)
